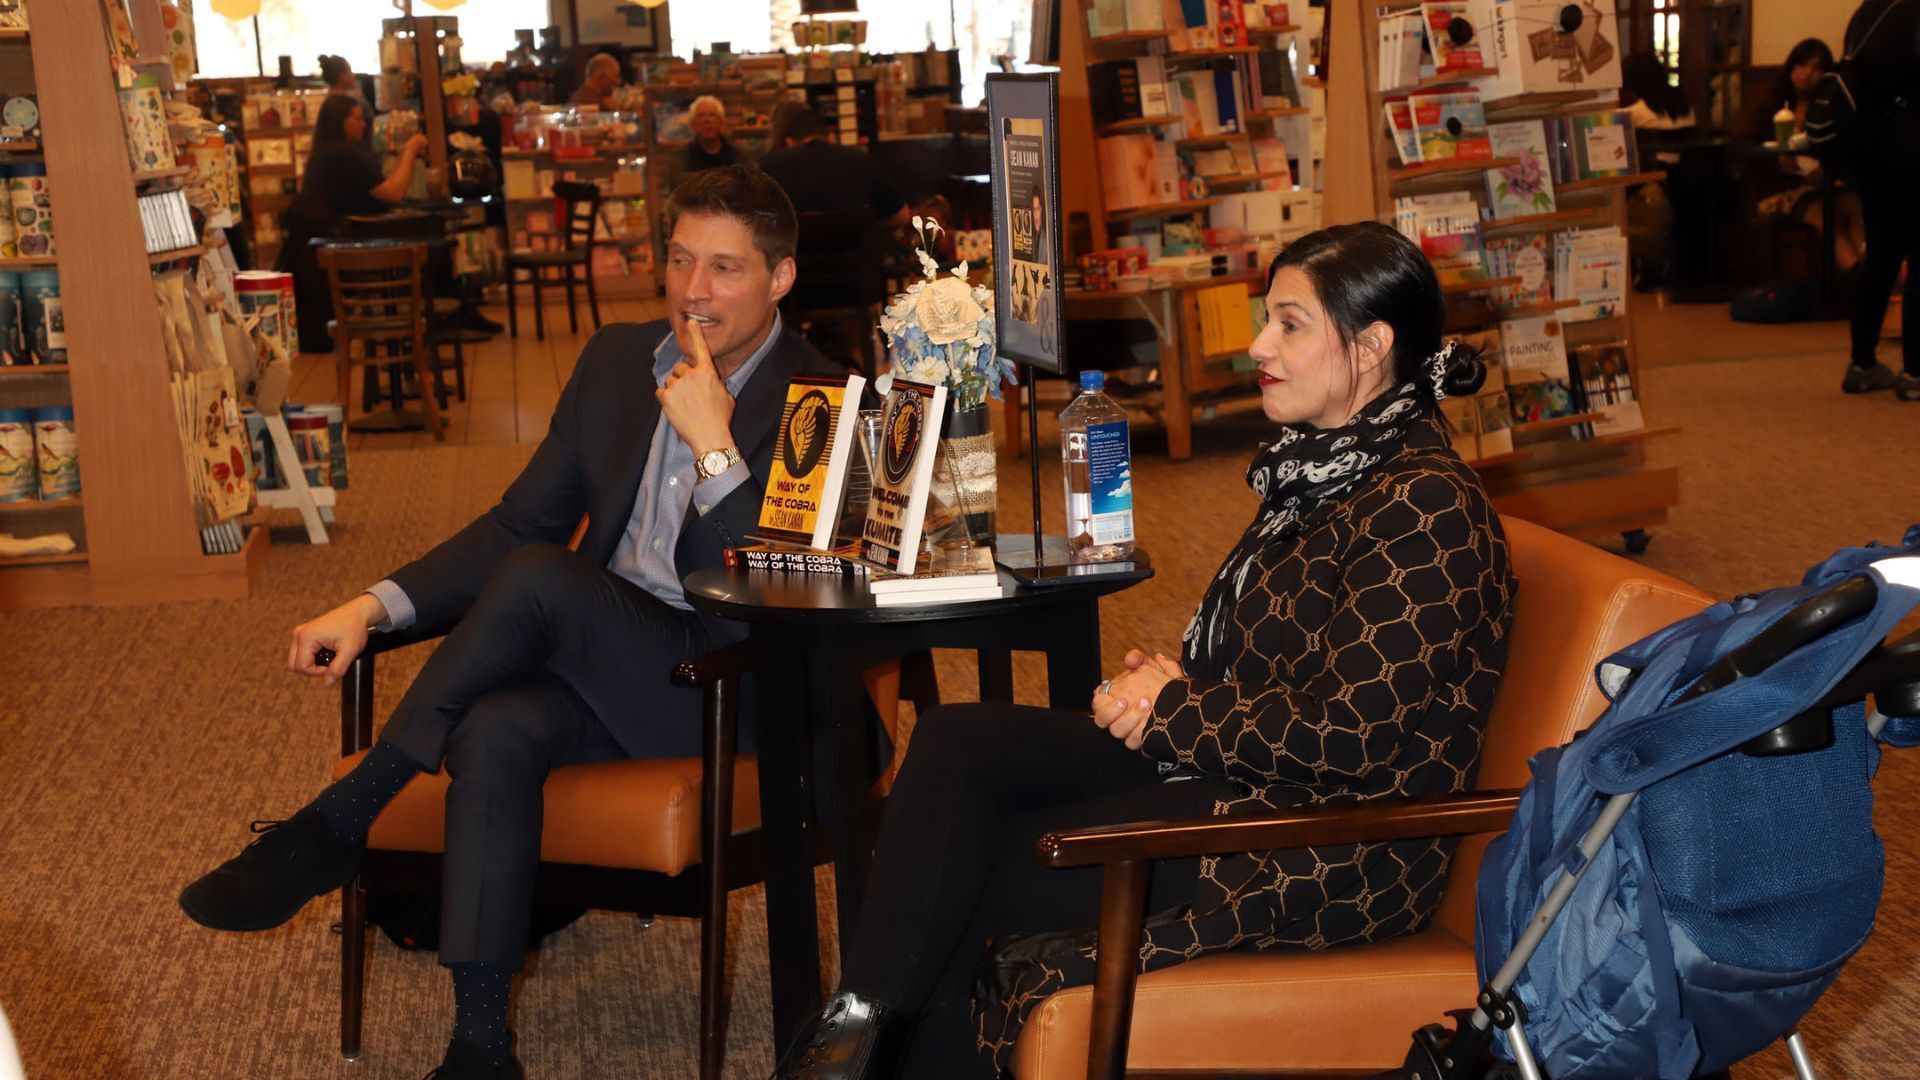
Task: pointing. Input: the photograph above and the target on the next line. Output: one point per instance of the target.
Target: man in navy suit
(662, 438)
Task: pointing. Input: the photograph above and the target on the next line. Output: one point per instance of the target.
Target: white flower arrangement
(940, 331)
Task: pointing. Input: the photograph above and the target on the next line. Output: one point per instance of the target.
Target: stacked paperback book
(1446, 225)
(1439, 127)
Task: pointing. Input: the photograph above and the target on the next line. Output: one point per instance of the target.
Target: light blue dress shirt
(669, 488)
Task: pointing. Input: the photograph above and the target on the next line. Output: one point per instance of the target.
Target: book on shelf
(1605, 380)
(1271, 72)
(1229, 93)
(909, 433)
(1127, 89)
(1481, 422)
(1526, 257)
(1494, 430)
(1199, 19)
(1226, 321)
(811, 451)
(1590, 268)
(1539, 384)
(1462, 415)
(1603, 145)
(1270, 160)
(1406, 141)
(1402, 52)
(1450, 126)
(770, 557)
(1447, 228)
(1452, 52)
(1526, 186)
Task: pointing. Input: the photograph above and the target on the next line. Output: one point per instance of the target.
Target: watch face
(713, 462)
(22, 112)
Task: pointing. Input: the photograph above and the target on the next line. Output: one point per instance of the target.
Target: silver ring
(1102, 688)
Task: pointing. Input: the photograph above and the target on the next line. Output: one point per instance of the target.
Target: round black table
(811, 637)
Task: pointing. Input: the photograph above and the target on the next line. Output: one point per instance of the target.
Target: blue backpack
(1728, 897)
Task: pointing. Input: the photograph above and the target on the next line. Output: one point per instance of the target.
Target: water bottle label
(1110, 475)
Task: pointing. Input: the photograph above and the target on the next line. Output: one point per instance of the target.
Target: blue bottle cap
(16, 416)
(53, 412)
(1093, 380)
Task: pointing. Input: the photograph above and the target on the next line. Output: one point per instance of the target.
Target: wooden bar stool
(380, 303)
(579, 216)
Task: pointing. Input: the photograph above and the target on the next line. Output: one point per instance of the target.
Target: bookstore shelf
(1200, 142)
(1623, 438)
(1156, 209)
(13, 35)
(43, 560)
(1441, 168)
(1278, 114)
(1177, 56)
(1138, 123)
(24, 371)
(193, 252)
(40, 505)
(1126, 36)
(1462, 288)
(1247, 178)
(1555, 424)
(1534, 309)
(28, 261)
(1495, 461)
(1576, 186)
(20, 149)
(152, 175)
(1538, 222)
(1272, 31)
(1448, 78)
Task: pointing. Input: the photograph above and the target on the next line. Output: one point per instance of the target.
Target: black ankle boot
(293, 861)
(853, 1038)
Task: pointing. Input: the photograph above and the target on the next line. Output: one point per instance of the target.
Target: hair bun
(1465, 372)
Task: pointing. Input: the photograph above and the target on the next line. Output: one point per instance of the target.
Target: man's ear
(1373, 346)
(783, 275)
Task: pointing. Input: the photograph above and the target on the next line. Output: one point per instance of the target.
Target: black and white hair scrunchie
(1437, 366)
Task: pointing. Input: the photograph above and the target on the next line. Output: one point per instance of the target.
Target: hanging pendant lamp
(236, 9)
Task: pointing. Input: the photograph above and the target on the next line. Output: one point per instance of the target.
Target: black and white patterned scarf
(1294, 474)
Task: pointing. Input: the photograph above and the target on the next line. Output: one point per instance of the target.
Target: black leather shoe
(463, 1062)
(293, 861)
(853, 1038)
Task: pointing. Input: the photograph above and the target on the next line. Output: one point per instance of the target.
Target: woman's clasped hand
(1123, 704)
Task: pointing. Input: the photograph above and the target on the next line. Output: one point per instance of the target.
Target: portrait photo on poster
(1023, 119)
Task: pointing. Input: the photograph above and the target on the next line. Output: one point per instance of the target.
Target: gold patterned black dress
(1348, 649)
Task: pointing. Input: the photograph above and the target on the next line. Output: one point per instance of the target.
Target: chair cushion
(635, 815)
(1346, 1008)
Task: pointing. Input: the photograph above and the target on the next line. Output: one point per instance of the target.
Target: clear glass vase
(965, 487)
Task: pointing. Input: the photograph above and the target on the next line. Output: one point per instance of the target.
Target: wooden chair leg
(593, 299)
(459, 367)
(353, 966)
(513, 307)
(1123, 911)
(573, 312)
(716, 830)
(343, 365)
(431, 391)
(539, 309)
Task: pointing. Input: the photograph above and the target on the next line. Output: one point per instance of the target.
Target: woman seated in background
(1799, 199)
(342, 177)
(1348, 649)
(1657, 104)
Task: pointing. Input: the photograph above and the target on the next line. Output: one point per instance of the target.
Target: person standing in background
(1880, 159)
(603, 78)
(710, 147)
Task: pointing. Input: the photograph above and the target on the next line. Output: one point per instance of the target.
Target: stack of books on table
(954, 579)
(772, 556)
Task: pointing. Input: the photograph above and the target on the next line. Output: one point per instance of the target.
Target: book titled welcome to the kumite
(909, 433)
(810, 456)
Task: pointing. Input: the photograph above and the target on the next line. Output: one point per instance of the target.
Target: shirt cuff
(400, 613)
(714, 490)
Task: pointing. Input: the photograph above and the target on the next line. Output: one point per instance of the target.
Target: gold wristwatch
(714, 462)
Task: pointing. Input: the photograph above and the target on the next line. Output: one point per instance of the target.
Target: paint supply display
(19, 482)
(43, 320)
(32, 206)
(57, 446)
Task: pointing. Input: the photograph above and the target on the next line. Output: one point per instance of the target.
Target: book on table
(773, 557)
(955, 577)
(811, 451)
(909, 435)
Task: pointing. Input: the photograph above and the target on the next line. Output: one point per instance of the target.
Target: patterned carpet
(135, 744)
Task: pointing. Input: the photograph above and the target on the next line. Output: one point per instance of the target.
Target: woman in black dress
(1347, 649)
(342, 177)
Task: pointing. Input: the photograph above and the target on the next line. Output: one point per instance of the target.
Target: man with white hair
(603, 78)
(710, 147)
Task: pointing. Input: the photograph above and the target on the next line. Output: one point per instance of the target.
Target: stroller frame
(1891, 673)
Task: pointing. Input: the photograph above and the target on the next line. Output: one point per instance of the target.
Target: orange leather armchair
(1347, 1009)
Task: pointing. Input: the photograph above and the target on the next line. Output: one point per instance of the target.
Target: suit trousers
(559, 661)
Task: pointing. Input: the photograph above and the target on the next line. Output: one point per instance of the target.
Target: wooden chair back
(379, 292)
(579, 214)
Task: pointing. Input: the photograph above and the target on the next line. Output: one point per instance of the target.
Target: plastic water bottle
(1096, 465)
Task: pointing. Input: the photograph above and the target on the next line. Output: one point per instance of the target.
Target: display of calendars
(1450, 127)
(1605, 379)
(1526, 257)
(1539, 386)
(1452, 39)
(1526, 186)
(1590, 268)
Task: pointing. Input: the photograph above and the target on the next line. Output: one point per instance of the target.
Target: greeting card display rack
(139, 540)
(1585, 487)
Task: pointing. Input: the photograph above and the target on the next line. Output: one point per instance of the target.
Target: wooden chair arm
(1126, 854)
(1395, 819)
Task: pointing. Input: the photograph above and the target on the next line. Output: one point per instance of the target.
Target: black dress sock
(352, 802)
(480, 994)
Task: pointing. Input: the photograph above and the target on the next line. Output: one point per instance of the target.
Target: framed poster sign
(1023, 119)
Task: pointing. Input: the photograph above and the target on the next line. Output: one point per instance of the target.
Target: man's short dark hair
(747, 195)
(804, 125)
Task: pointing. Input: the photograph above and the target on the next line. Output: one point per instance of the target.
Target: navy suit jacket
(591, 463)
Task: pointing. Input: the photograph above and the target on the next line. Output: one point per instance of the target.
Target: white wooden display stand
(314, 503)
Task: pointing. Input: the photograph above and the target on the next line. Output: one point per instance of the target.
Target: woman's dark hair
(1783, 89)
(1367, 273)
(331, 68)
(331, 125)
(1645, 76)
(747, 195)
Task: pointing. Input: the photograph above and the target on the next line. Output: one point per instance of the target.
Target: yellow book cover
(810, 456)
